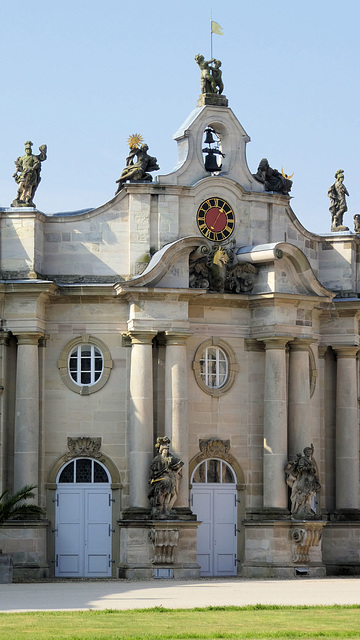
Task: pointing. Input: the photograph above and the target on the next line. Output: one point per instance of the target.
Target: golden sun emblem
(134, 141)
(285, 174)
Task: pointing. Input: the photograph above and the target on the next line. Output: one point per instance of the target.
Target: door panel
(98, 533)
(68, 526)
(83, 536)
(215, 507)
(202, 506)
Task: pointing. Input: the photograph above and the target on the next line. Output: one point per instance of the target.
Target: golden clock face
(215, 219)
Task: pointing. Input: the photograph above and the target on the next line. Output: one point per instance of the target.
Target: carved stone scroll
(84, 446)
(165, 542)
(214, 448)
(305, 537)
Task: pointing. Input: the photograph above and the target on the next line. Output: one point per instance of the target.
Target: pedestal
(149, 545)
(283, 549)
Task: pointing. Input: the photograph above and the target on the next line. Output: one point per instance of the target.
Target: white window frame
(231, 370)
(64, 364)
(208, 375)
(79, 371)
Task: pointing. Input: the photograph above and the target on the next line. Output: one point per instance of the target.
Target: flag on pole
(216, 28)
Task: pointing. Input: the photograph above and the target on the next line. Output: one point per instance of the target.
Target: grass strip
(257, 622)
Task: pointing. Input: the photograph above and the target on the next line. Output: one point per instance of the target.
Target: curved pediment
(261, 269)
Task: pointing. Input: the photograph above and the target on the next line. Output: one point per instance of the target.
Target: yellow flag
(216, 28)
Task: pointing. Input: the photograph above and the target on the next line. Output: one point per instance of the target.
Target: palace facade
(195, 307)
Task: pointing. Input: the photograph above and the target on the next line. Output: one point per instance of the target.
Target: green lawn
(255, 622)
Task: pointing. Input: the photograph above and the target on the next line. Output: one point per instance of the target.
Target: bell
(209, 136)
(211, 163)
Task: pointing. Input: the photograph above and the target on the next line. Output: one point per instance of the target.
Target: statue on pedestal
(165, 474)
(210, 75)
(27, 175)
(301, 477)
(137, 171)
(273, 179)
(357, 223)
(337, 194)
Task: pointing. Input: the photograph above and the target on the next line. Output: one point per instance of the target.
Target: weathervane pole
(211, 55)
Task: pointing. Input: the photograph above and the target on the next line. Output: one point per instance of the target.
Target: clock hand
(217, 218)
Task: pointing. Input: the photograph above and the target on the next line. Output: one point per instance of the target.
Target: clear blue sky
(82, 75)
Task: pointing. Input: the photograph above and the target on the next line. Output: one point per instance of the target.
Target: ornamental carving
(304, 538)
(84, 446)
(165, 542)
(214, 269)
(213, 448)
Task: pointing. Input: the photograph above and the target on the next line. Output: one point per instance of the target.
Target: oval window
(214, 367)
(86, 364)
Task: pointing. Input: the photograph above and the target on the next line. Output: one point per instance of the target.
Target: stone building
(198, 307)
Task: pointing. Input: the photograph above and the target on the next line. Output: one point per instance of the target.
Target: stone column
(300, 431)
(176, 406)
(347, 429)
(141, 417)
(275, 423)
(26, 439)
(4, 397)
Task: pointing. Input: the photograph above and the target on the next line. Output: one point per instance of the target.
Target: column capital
(301, 344)
(322, 350)
(346, 350)
(28, 338)
(176, 338)
(275, 342)
(141, 337)
(252, 344)
(5, 337)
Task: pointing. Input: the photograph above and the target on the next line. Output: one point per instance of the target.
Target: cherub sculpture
(210, 75)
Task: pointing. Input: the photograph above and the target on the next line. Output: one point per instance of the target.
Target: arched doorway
(83, 509)
(214, 500)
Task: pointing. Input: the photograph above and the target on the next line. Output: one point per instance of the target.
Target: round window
(215, 366)
(85, 364)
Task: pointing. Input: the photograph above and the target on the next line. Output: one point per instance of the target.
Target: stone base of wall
(6, 568)
(341, 549)
(283, 549)
(158, 544)
(25, 541)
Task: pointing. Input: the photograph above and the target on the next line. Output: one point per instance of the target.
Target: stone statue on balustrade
(27, 175)
(357, 223)
(165, 474)
(337, 194)
(301, 477)
(138, 171)
(272, 179)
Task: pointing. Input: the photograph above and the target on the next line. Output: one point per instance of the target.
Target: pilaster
(300, 427)
(275, 423)
(176, 405)
(347, 428)
(141, 417)
(26, 440)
